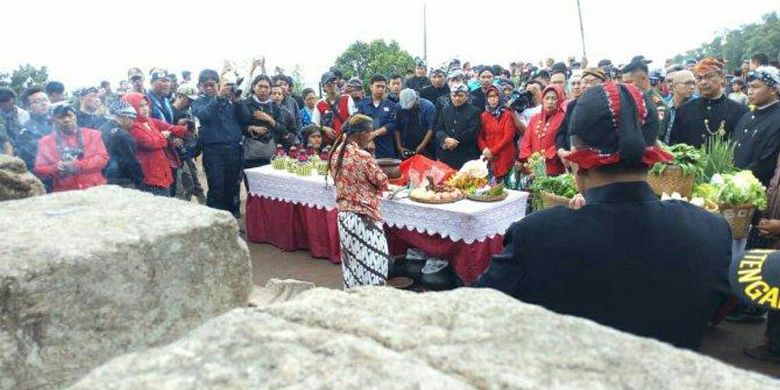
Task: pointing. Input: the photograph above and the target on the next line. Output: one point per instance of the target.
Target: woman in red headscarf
(542, 128)
(151, 136)
(498, 131)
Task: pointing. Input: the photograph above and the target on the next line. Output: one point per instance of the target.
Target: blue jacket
(383, 116)
(161, 108)
(219, 124)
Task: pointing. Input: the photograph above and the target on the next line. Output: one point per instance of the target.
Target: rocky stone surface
(277, 290)
(388, 339)
(86, 276)
(15, 181)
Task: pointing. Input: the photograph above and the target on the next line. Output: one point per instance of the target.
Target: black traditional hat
(614, 124)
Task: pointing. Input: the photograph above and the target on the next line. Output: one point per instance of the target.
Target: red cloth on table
(291, 227)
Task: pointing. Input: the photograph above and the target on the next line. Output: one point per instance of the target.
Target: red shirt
(360, 183)
(150, 149)
(89, 166)
(497, 135)
(540, 137)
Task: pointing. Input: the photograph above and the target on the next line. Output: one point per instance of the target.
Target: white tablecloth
(465, 220)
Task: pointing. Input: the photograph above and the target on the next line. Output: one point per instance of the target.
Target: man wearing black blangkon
(601, 259)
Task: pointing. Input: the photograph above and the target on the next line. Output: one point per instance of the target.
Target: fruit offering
(436, 194)
(494, 190)
(467, 183)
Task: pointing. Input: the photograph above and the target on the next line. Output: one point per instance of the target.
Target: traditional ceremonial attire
(364, 252)
(463, 124)
(604, 261)
(757, 137)
(699, 119)
(541, 132)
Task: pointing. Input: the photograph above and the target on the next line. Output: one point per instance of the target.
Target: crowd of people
(601, 122)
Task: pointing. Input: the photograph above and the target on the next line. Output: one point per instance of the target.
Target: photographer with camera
(72, 157)
(186, 181)
(262, 124)
(220, 136)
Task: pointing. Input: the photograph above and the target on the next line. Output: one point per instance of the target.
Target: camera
(327, 120)
(520, 100)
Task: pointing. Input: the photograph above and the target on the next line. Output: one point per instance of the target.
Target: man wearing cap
(187, 181)
(332, 111)
(637, 73)
(383, 112)
(89, 104)
(712, 113)
(683, 86)
(437, 89)
(591, 77)
(603, 260)
(414, 125)
(136, 79)
(123, 168)
(757, 134)
(457, 129)
(420, 79)
(354, 89)
(159, 95)
(72, 157)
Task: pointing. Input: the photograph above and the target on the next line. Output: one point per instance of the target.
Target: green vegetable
(562, 185)
(719, 154)
(734, 189)
(688, 158)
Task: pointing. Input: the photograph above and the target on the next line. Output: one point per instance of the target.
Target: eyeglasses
(592, 82)
(39, 101)
(689, 83)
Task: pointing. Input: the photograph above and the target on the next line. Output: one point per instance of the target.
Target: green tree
(363, 59)
(297, 79)
(24, 77)
(737, 45)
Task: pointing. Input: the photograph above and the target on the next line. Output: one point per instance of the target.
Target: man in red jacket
(72, 157)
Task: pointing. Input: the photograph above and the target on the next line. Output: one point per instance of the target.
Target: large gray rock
(385, 338)
(86, 276)
(15, 181)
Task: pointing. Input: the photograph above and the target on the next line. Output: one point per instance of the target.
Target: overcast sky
(83, 42)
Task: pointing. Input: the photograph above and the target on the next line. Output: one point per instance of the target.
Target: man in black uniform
(457, 129)
(712, 113)
(603, 261)
(757, 135)
(437, 89)
(420, 79)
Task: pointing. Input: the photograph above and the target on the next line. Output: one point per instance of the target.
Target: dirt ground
(724, 342)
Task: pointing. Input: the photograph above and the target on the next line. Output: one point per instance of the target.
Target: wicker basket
(738, 218)
(550, 200)
(671, 180)
(488, 198)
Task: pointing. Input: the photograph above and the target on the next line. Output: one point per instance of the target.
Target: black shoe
(767, 352)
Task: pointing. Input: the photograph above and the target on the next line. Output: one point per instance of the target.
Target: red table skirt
(291, 227)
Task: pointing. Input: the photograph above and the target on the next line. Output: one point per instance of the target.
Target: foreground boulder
(86, 276)
(15, 181)
(385, 338)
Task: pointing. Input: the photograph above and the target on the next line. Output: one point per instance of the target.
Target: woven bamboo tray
(550, 200)
(416, 199)
(738, 218)
(671, 180)
(488, 198)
